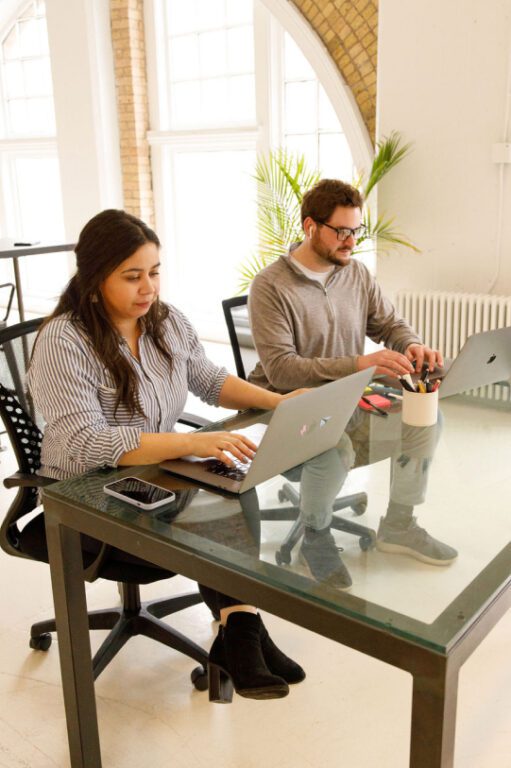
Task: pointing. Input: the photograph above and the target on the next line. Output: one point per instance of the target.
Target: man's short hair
(322, 199)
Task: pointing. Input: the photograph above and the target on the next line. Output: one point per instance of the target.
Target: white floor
(352, 711)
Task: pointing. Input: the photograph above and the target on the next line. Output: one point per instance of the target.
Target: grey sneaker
(320, 554)
(414, 541)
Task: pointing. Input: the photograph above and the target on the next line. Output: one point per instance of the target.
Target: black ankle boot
(278, 662)
(236, 659)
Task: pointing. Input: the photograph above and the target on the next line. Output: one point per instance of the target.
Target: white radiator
(445, 321)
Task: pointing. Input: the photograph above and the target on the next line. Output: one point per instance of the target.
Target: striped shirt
(76, 395)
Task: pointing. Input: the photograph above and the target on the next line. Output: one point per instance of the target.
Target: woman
(110, 373)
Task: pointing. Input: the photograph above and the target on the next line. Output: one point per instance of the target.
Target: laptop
(299, 429)
(485, 358)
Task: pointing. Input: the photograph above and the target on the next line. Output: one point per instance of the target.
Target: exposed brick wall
(349, 30)
(127, 21)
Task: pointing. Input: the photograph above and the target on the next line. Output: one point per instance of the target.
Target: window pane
(240, 49)
(182, 16)
(10, 44)
(43, 36)
(328, 120)
(184, 58)
(296, 66)
(304, 145)
(38, 77)
(29, 38)
(40, 214)
(41, 116)
(242, 98)
(212, 48)
(239, 11)
(13, 78)
(300, 107)
(214, 236)
(186, 104)
(17, 112)
(214, 104)
(211, 13)
(335, 157)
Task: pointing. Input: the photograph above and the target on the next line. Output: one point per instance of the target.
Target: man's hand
(420, 354)
(387, 362)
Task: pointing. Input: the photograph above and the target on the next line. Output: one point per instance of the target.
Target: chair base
(131, 618)
(357, 502)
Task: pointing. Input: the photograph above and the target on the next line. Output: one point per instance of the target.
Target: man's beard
(336, 257)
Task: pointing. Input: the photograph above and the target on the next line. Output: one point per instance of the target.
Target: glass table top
(454, 479)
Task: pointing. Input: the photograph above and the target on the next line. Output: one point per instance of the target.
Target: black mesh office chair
(245, 358)
(132, 617)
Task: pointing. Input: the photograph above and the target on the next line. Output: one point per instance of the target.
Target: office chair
(133, 617)
(245, 358)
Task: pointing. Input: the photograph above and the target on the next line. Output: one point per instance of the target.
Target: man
(310, 313)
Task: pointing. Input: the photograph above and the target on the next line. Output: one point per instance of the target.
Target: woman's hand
(216, 444)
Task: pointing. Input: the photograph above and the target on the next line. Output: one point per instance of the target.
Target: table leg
(74, 644)
(19, 294)
(434, 716)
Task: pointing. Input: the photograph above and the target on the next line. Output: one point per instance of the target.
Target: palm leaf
(282, 178)
(389, 152)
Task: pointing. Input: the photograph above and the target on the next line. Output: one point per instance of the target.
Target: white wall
(443, 82)
(85, 107)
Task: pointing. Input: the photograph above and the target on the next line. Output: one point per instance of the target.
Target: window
(229, 82)
(30, 196)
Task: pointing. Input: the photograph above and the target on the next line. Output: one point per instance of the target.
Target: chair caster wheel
(366, 542)
(359, 509)
(282, 558)
(199, 678)
(41, 642)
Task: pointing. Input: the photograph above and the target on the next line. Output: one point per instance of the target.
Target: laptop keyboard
(237, 472)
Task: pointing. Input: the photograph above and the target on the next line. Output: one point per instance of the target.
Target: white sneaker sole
(400, 549)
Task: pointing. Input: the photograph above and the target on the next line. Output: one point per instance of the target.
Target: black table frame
(435, 675)
(14, 253)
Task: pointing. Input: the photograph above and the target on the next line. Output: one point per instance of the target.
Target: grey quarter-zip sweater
(307, 334)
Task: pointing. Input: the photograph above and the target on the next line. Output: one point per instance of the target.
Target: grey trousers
(367, 440)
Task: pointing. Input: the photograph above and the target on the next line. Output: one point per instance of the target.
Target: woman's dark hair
(107, 240)
(323, 198)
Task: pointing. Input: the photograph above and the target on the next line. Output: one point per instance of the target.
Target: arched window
(30, 196)
(229, 82)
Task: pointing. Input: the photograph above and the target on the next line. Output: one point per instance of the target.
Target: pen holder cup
(420, 409)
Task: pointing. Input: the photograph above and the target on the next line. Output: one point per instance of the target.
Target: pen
(378, 410)
(421, 387)
(436, 385)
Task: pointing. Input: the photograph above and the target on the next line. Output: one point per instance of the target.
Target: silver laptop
(485, 358)
(299, 429)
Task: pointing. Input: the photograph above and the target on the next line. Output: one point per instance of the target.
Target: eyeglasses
(344, 232)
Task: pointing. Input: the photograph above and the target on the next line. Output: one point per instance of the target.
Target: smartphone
(138, 492)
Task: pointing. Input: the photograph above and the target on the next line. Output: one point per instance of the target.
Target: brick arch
(349, 31)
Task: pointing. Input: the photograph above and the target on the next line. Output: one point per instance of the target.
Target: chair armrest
(26, 480)
(192, 420)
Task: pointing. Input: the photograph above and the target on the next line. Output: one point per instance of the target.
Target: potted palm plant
(283, 178)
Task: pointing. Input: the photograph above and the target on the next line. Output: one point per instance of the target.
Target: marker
(379, 411)
(407, 382)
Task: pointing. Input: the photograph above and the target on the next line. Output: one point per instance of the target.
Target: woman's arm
(235, 393)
